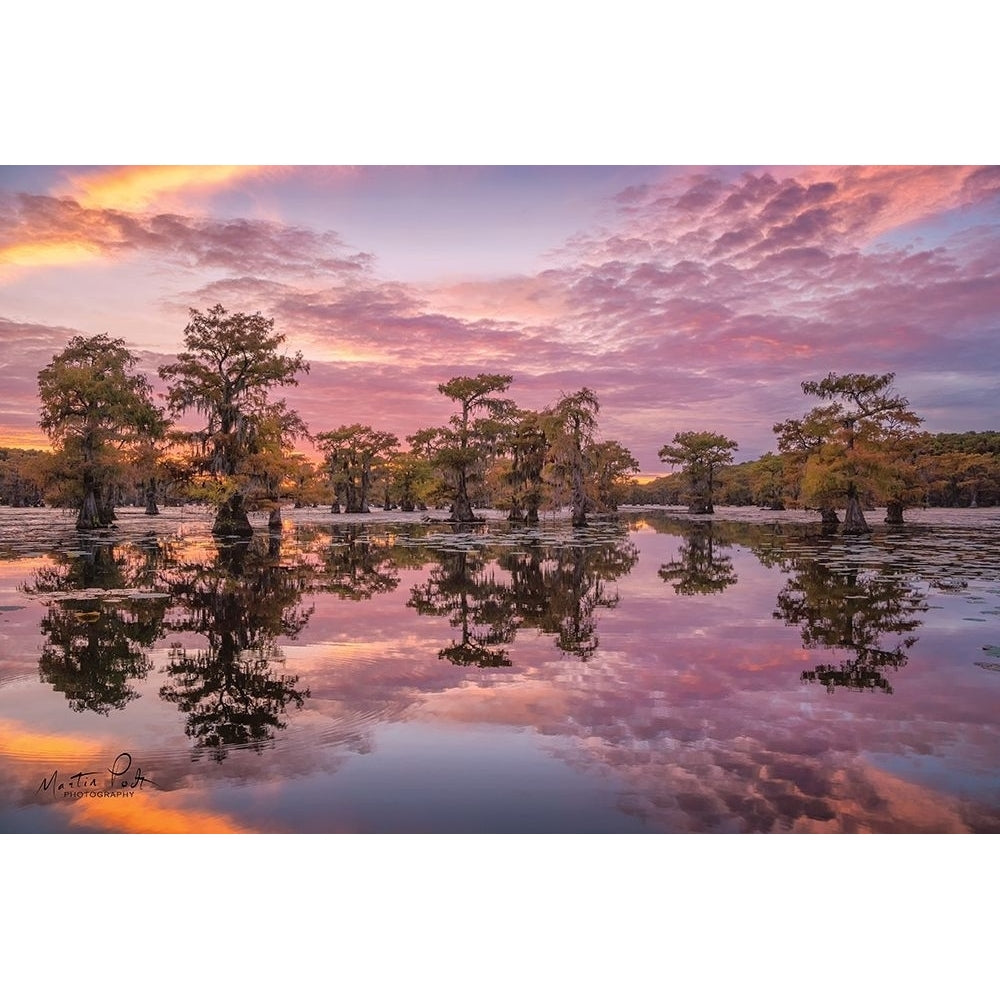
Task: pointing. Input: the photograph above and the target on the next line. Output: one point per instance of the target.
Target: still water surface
(655, 673)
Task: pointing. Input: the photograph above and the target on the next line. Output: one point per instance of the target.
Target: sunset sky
(686, 297)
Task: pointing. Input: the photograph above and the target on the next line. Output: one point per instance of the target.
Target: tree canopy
(853, 447)
(93, 405)
(700, 453)
(230, 364)
(461, 448)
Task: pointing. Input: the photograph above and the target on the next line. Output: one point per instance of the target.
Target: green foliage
(570, 426)
(355, 454)
(522, 485)
(22, 476)
(231, 363)
(412, 480)
(701, 454)
(462, 449)
(857, 447)
(611, 465)
(93, 406)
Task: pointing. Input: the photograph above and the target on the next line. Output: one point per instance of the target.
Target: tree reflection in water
(242, 603)
(701, 569)
(464, 588)
(490, 594)
(853, 607)
(357, 567)
(95, 645)
(858, 610)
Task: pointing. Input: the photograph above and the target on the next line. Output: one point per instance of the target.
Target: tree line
(113, 444)
(860, 448)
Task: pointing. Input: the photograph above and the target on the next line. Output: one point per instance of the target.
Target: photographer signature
(118, 781)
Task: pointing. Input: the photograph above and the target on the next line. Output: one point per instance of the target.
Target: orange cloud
(48, 253)
(135, 188)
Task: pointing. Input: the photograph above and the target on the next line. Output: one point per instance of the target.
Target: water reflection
(241, 603)
(356, 566)
(866, 613)
(701, 568)
(688, 714)
(95, 645)
(489, 595)
(463, 587)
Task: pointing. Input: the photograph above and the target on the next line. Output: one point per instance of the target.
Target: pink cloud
(35, 229)
(705, 300)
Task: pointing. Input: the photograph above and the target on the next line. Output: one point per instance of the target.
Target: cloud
(703, 300)
(137, 188)
(40, 230)
(25, 348)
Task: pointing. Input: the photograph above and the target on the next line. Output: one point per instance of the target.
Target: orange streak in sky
(48, 253)
(135, 188)
(16, 437)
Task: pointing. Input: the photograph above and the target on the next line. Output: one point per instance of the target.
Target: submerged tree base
(462, 513)
(232, 518)
(92, 516)
(894, 512)
(854, 518)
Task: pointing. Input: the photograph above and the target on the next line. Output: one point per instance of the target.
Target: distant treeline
(951, 470)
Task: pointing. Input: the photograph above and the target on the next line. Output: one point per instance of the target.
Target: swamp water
(654, 673)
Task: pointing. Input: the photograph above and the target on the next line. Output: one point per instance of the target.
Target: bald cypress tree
(230, 364)
(94, 405)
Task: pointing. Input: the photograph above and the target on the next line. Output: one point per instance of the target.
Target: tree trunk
(894, 512)
(274, 519)
(854, 516)
(461, 511)
(106, 508)
(579, 493)
(92, 512)
(151, 507)
(232, 518)
(89, 516)
(828, 516)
